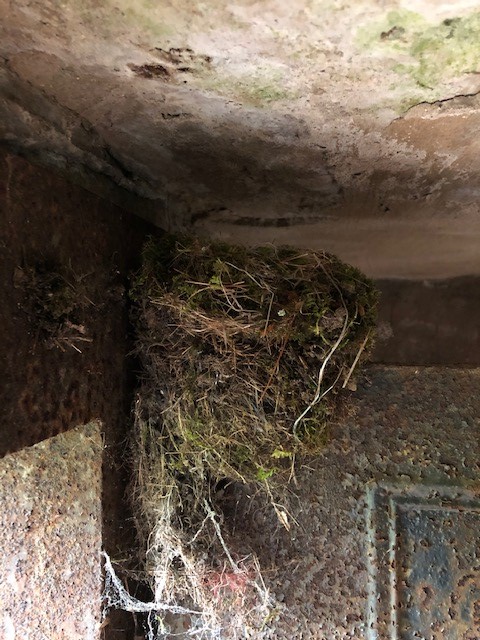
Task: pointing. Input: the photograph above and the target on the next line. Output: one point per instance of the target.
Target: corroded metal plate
(50, 538)
(424, 563)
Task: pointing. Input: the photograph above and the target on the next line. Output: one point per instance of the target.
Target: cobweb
(115, 596)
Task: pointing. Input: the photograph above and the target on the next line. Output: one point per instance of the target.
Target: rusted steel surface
(424, 562)
(387, 542)
(49, 388)
(50, 537)
(419, 322)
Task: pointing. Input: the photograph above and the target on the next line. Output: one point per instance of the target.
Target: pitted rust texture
(416, 430)
(424, 562)
(51, 537)
(45, 390)
(438, 581)
(417, 326)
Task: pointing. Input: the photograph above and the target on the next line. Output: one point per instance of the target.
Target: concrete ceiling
(346, 125)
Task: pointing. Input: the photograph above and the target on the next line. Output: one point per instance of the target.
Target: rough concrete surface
(337, 125)
(429, 322)
(51, 537)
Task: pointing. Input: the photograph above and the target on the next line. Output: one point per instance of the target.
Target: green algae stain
(262, 93)
(111, 18)
(259, 89)
(431, 53)
(447, 50)
(392, 32)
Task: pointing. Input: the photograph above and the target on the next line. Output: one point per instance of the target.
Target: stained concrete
(51, 537)
(429, 322)
(345, 126)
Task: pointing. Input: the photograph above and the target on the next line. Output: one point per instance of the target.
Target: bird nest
(246, 355)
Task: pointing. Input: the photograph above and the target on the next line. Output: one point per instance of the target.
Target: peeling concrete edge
(108, 177)
(50, 112)
(83, 176)
(93, 432)
(434, 103)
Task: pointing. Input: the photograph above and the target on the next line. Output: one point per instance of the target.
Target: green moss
(265, 474)
(115, 16)
(447, 50)
(278, 454)
(393, 32)
(240, 455)
(259, 89)
(437, 52)
(407, 103)
(263, 93)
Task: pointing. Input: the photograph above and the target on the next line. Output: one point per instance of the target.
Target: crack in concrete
(432, 103)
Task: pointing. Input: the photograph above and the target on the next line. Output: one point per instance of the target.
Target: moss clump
(449, 49)
(54, 303)
(258, 89)
(437, 52)
(235, 343)
(393, 31)
(263, 92)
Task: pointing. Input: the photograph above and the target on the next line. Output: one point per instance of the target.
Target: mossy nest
(246, 350)
(245, 353)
